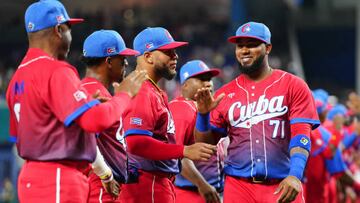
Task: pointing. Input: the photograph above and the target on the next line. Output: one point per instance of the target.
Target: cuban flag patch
(111, 50)
(149, 45)
(136, 121)
(60, 18)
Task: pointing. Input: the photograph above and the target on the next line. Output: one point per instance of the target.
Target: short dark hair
(92, 61)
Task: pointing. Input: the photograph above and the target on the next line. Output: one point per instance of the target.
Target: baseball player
(322, 148)
(341, 175)
(51, 114)
(104, 54)
(268, 115)
(149, 127)
(199, 181)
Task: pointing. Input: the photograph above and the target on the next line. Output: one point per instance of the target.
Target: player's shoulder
(289, 80)
(284, 75)
(147, 89)
(89, 81)
(148, 92)
(92, 85)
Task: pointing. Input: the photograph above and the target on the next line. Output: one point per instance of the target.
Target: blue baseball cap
(338, 109)
(252, 30)
(321, 99)
(194, 68)
(155, 38)
(47, 13)
(104, 43)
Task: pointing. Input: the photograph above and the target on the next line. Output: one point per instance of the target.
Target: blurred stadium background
(319, 40)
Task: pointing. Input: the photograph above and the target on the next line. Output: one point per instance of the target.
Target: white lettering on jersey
(171, 124)
(256, 112)
(120, 134)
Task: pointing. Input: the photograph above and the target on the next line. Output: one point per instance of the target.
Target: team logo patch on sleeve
(135, 121)
(79, 95)
(304, 141)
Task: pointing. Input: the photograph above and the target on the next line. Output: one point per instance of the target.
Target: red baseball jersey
(148, 115)
(45, 97)
(257, 117)
(184, 113)
(111, 142)
(317, 175)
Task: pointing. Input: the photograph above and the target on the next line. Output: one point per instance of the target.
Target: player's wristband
(302, 141)
(107, 178)
(297, 165)
(203, 122)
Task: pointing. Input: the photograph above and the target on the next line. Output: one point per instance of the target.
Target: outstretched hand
(205, 101)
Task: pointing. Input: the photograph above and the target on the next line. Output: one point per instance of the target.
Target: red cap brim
(172, 45)
(129, 52)
(73, 21)
(234, 39)
(212, 71)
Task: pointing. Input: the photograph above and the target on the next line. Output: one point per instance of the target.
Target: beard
(165, 72)
(254, 67)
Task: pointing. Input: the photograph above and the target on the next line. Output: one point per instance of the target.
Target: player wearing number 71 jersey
(268, 115)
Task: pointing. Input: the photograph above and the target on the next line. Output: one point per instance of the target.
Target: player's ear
(58, 30)
(268, 48)
(108, 62)
(148, 56)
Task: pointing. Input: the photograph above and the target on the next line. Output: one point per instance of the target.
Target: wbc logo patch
(31, 26)
(304, 141)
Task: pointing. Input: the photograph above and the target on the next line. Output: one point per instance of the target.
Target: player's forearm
(102, 116)
(206, 137)
(99, 166)
(298, 160)
(299, 148)
(150, 148)
(190, 172)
